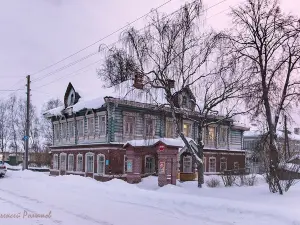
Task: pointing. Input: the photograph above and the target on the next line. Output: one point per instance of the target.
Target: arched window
(89, 162)
(63, 161)
(187, 164)
(101, 164)
(70, 162)
(149, 164)
(223, 164)
(79, 164)
(55, 162)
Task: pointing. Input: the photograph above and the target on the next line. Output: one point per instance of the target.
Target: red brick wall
(230, 156)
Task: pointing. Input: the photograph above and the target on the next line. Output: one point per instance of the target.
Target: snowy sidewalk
(78, 200)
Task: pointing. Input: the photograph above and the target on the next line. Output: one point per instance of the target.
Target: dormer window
(184, 101)
(72, 98)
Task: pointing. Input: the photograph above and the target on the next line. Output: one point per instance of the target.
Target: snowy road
(78, 200)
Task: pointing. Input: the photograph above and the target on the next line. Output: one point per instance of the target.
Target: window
(204, 164)
(72, 98)
(71, 129)
(56, 131)
(223, 164)
(211, 135)
(223, 135)
(70, 162)
(187, 129)
(169, 129)
(55, 162)
(91, 128)
(89, 160)
(149, 164)
(236, 165)
(128, 126)
(79, 166)
(63, 159)
(129, 166)
(125, 163)
(63, 130)
(212, 164)
(80, 127)
(101, 164)
(187, 164)
(102, 125)
(149, 127)
(184, 101)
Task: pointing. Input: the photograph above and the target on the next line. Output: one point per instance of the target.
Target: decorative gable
(71, 96)
(185, 99)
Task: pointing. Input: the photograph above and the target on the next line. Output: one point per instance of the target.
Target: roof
(124, 91)
(176, 142)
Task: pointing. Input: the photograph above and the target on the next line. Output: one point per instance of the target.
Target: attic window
(297, 130)
(72, 98)
(184, 101)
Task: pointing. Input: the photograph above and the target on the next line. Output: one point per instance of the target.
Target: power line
(116, 31)
(100, 50)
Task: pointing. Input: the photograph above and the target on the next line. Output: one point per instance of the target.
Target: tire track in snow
(81, 216)
(28, 210)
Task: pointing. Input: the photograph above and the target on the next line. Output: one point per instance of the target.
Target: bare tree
(173, 49)
(13, 123)
(269, 41)
(46, 125)
(4, 125)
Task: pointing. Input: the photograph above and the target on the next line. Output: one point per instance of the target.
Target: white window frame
(133, 125)
(93, 162)
(60, 162)
(55, 162)
(71, 121)
(64, 129)
(209, 165)
(104, 162)
(190, 161)
(78, 121)
(56, 131)
(99, 125)
(70, 168)
(189, 123)
(222, 163)
(226, 136)
(145, 166)
(78, 163)
(153, 126)
(236, 167)
(92, 132)
(169, 122)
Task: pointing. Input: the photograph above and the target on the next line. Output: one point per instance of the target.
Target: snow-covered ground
(77, 200)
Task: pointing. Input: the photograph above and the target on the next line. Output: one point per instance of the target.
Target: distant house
(252, 138)
(98, 137)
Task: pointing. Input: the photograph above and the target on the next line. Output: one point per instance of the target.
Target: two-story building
(95, 137)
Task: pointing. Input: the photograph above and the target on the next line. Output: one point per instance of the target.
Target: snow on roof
(150, 142)
(123, 91)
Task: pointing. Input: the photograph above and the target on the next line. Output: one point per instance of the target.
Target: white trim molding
(104, 164)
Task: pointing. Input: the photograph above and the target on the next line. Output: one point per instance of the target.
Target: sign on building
(162, 167)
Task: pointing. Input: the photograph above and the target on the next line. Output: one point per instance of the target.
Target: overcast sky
(38, 33)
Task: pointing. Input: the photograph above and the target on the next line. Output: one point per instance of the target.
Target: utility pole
(26, 138)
